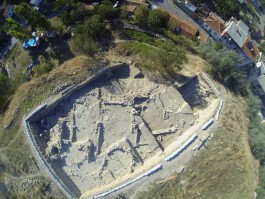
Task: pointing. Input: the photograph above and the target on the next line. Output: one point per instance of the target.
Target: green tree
(31, 16)
(77, 13)
(262, 47)
(141, 16)
(81, 44)
(86, 35)
(106, 11)
(5, 89)
(43, 68)
(59, 3)
(227, 8)
(16, 30)
(157, 19)
(94, 26)
(224, 66)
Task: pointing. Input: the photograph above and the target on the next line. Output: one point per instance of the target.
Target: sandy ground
(117, 128)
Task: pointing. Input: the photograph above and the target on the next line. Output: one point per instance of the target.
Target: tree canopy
(157, 19)
(16, 30)
(228, 8)
(224, 66)
(4, 89)
(154, 19)
(106, 11)
(32, 16)
(86, 35)
(141, 16)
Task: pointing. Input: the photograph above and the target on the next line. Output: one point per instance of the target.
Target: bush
(43, 68)
(261, 188)
(157, 19)
(262, 47)
(256, 130)
(77, 13)
(5, 89)
(84, 45)
(86, 35)
(57, 25)
(106, 11)
(141, 16)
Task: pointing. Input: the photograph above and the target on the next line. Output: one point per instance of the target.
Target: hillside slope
(225, 169)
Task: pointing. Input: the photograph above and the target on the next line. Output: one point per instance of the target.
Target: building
(237, 31)
(35, 2)
(190, 6)
(250, 49)
(8, 10)
(214, 25)
(257, 77)
(236, 36)
(187, 29)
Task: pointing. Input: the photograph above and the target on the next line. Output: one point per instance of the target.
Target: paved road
(169, 6)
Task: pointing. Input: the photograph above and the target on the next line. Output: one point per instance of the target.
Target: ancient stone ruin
(112, 127)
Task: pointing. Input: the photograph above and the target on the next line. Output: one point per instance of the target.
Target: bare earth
(116, 128)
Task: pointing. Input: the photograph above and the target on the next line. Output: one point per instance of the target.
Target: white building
(236, 36)
(257, 77)
(237, 30)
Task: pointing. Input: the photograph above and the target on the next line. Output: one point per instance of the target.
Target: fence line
(146, 174)
(207, 79)
(218, 111)
(182, 148)
(207, 124)
(137, 28)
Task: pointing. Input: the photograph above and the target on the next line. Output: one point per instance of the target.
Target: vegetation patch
(15, 157)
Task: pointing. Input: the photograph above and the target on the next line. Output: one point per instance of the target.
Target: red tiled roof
(250, 53)
(186, 26)
(215, 22)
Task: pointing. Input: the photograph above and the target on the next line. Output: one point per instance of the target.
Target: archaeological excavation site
(108, 130)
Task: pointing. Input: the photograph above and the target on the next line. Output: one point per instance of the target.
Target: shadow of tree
(58, 44)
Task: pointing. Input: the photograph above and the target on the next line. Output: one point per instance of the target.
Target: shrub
(157, 19)
(57, 25)
(224, 66)
(141, 16)
(84, 45)
(43, 68)
(5, 89)
(106, 11)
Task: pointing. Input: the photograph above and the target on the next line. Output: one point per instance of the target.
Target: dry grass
(18, 60)
(13, 144)
(225, 170)
(194, 65)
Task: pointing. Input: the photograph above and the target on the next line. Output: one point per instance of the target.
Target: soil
(113, 128)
